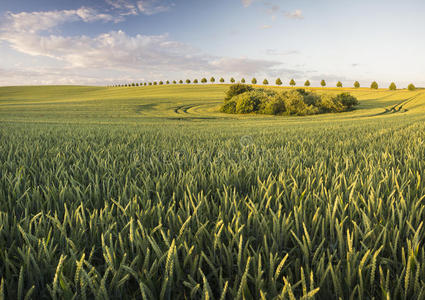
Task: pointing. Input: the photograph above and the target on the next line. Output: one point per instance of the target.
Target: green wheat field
(152, 193)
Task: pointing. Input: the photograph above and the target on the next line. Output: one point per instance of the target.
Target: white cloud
(114, 53)
(146, 7)
(266, 27)
(276, 52)
(151, 7)
(38, 21)
(246, 3)
(297, 14)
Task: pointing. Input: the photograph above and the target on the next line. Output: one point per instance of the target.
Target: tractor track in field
(183, 109)
(397, 107)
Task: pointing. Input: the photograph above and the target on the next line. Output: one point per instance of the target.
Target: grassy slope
(89, 171)
(147, 104)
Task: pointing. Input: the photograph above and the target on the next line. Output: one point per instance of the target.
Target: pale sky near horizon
(105, 41)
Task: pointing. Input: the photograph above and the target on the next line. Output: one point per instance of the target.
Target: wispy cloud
(276, 52)
(296, 14)
(33, 22)
(247, 3)
(146, 7)
(266, 27)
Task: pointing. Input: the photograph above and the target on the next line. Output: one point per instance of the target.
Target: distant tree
(188, 81)
(167, 82)
(323, 83)
(150, 83)
(243, 80)
(133, 84)
(195, 81)
(232, 80)
(155, 83)
(222, 80)
(411, 87)
(374, 85)
(212, 79)
(181, 81)
(145, 83)
(265, 82)
(392, 87)
(292, 82)
(174, 82)
(356, 84)
(161, 83)
(339, 84)
(279, 82)
(137, 84)
(204, 80)
(254, 80)
(307, 83)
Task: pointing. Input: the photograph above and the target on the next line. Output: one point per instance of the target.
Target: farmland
(152, 193)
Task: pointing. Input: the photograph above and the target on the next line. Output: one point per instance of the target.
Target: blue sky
(118, 41)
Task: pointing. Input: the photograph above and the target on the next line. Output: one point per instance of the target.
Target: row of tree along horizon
(374, 85)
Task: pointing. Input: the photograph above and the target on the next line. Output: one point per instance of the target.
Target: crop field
(152, 193)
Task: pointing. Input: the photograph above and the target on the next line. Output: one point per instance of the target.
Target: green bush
(295, 105)
(229, 107)
(274, 105)
(243, 99)
(237, 89)
(249, 102)
(347, 100)
(329, 103)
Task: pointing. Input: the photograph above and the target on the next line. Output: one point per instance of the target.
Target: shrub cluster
(244, 99)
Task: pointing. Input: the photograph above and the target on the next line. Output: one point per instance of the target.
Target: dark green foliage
(265, 82)
(204, 80)
(254, 81)
(248, 102)
(356, 84)
(181, 81)
(374, 85)
(195, 81)
(347, 100)
(222, 80)
(392, 87)
(245, 99)
(174, 82)
(279, 82)
(167, 82)
(323, 83)
(243, 80)
(236, 89)
(212, 79)
(188, 81)
(307, 83)
(292, 82)
(411, 87)
(339, 84)
(161, 83)
(229, 107)
(232, 80)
